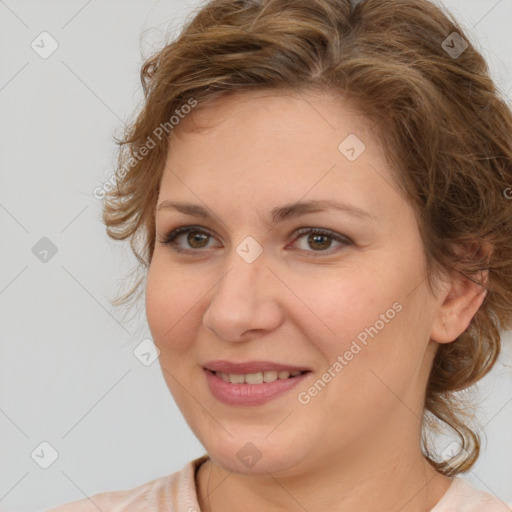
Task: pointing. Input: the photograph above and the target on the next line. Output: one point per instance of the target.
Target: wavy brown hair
(445, 129)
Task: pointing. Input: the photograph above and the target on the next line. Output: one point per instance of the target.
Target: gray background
(68, 375)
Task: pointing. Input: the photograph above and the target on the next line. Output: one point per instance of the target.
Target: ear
(462, 299)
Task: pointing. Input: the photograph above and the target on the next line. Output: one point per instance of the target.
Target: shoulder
(462, 496)
(168, 493)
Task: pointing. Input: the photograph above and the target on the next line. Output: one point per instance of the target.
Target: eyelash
(169, 239)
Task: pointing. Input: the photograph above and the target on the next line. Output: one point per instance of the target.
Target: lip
(251, 367)
(250, 394)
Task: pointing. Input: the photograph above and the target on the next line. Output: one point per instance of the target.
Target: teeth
(223, 376)
(256, 378)
(270, 376)
(236, 379)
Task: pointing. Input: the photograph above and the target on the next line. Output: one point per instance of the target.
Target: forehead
(324, 104)
(253, 128)
(275, 147)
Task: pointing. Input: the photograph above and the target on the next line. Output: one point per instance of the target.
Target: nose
(244, 301)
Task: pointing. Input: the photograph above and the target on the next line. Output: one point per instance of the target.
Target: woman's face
(349, 304)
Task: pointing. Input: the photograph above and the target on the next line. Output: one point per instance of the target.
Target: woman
(318, 191)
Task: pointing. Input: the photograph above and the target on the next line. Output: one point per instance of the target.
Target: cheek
(172, 302)
(337, 306)
(366, 315)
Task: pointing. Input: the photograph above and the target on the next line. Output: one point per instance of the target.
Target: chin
(263, 466)
(254, 457)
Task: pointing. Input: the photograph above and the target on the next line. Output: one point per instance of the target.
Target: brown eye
(196, 239)
(320, 240)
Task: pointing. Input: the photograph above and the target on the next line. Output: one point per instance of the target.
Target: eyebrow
(279, 213)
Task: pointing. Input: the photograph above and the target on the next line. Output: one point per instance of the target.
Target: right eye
(196, 238)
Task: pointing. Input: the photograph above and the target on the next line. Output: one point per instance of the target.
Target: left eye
(197, 238)
(321, 238)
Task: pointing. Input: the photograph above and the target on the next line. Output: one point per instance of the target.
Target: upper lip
(251, 367)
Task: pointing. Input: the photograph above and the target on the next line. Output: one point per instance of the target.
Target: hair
(444, 126)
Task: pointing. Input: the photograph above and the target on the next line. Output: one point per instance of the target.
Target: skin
(356, 444)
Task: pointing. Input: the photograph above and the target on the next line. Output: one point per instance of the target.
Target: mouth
(252, 383)
(257, 377)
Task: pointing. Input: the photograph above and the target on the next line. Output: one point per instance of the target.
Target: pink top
(177, 493)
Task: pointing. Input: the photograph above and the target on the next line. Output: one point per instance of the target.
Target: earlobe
(459, 307)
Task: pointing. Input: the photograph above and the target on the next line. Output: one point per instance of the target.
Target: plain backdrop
(68, 374)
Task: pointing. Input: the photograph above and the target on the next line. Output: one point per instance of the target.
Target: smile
(252, 388)
(256, 378)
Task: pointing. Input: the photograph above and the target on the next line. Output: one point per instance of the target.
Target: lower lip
(250, 394)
